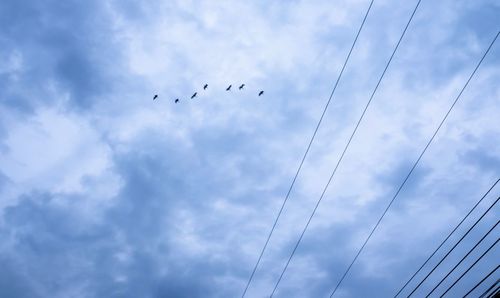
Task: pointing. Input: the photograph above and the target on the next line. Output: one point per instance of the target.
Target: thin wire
(463, 258)
(482, 280)
(412, 169)
(471, 266)
(307, 150)
(495, 291)
(454, 246)
(344, 151)
(446, 239)
(491, 288)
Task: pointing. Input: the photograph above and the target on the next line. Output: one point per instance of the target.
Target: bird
(229, 88)
(205, 87)
(194, 95)
(261, 92)
(155, 97)
(176, 100)
(241, 87)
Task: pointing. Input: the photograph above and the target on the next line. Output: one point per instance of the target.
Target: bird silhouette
(176, 100)
(205, 87)
(261, 92)
(194, 95)
(241, 87)
(229, 88)
(155, 97)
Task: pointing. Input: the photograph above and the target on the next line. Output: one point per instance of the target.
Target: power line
(464, 257)
(447, 237)
(307, 150)
(454, 246)
(495, 291)
(345, 150)
(482, 280)
(470, 267)
(414, 166)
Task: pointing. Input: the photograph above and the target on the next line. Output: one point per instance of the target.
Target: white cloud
(57, 152)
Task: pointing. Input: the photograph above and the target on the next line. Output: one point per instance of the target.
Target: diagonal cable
(454, 246)
(495, 291)
(307, 150)
(345, 150)
(482, 280)
(470, 267)
(413, 167)
(463, 258)
(447, 237)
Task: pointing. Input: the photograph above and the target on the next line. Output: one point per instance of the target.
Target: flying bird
(194, 95)
(176, 100)
(241, 87)
(205, 87)
(229, 88)
(261, 92)
(155, 97)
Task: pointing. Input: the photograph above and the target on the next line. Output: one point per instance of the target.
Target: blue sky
(105, 193)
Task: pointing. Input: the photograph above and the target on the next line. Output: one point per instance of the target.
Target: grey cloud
(481, 159)
(67, 43)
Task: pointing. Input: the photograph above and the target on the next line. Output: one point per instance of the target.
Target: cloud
(104, 192)
(60, 57)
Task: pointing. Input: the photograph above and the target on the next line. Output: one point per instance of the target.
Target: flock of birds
(261, 92)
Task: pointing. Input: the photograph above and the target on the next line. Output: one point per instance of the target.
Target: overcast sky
(106, 193)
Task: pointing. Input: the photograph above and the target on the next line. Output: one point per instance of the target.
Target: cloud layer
(105, 193)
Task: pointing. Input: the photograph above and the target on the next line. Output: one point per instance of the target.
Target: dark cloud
(12, 282)
(58, 253)
(482, 159)
(67, 44)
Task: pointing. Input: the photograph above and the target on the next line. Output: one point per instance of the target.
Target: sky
(107, 193)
